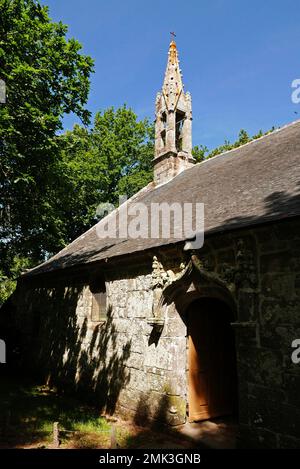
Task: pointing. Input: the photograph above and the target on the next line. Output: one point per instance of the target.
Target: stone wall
(130, 368)
(262, 267)
(122, 363)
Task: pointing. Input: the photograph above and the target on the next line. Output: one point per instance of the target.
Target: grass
(28, 411)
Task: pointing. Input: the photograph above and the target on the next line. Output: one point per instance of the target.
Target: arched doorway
(212, 375)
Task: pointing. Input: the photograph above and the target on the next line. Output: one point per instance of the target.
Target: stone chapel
(154, 330)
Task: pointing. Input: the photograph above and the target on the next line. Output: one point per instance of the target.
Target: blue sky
(238, 58)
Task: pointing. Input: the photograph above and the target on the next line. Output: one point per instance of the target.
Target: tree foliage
(112, 159)
(202, 153)
(50, 184)
(46, 75)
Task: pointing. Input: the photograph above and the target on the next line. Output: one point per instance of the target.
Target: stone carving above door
(192, 280)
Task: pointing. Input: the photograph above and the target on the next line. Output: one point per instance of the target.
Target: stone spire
(173, 124)
(172, 87)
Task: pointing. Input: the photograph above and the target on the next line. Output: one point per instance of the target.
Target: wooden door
(211, 375)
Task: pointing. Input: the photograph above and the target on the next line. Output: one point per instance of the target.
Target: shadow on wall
(77, 357)
(155, 410)
(106, 373)
(153, 430)
(151, 414)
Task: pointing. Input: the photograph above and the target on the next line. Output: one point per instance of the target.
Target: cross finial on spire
(173, 35)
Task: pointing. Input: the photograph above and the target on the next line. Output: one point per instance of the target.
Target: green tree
(111, 159)
(50, 185)
(243, 138)
(8, 279)
(202, 153)
(46, 75)
(199, 153)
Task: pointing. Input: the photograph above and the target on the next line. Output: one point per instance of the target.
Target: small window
(98, 291)
(163, 137)
(164, 120)
(180, 116)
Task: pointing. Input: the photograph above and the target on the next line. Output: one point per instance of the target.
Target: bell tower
(173, 124)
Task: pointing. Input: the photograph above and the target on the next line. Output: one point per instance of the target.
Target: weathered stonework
(173, 124)
(131, 369)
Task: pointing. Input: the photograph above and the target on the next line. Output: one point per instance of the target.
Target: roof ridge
(256, 207)
(248, 143)
(83, 235)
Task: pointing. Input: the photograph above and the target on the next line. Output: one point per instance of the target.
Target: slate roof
(252, 184)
